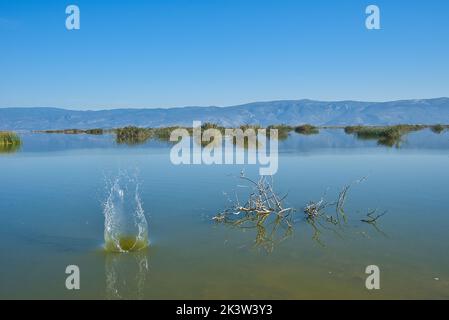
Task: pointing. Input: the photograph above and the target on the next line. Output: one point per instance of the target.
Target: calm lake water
(53, 189)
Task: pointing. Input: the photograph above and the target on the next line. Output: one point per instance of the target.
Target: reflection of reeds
(132, 135)
(307, 129)
(135, 135)
(387, 135)
(282, 130)
(438, 128)
(75, 131)
(161, 134)
(9, 142)
(95, 131)
(244, 136)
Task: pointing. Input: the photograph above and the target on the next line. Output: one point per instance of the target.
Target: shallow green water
(51, 216)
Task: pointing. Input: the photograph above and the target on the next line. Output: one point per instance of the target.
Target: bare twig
(372, 216)
(263, 205)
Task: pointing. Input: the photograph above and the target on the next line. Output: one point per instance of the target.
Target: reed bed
(307, 129)
(9, 142)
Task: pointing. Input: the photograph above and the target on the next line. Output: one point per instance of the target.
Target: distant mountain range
(292, 112)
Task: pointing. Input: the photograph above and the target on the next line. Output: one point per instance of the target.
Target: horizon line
(223, 106)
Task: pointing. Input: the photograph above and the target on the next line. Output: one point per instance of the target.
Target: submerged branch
(372, 216)
(263, 209)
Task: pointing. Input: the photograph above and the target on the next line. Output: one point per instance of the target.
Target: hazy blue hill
(294, 112)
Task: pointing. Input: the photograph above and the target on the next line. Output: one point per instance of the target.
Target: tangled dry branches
(263, 209)
(262, 202)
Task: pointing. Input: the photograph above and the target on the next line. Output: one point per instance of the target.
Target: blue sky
(164, 53)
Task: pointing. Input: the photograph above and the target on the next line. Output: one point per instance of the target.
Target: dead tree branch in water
(264, 208)
(265, 212)
(262, 202)
(372, 216)
(316, 217)
(340, 204)
(317, 209)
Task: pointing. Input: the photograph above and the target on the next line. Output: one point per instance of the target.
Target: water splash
(125, 226)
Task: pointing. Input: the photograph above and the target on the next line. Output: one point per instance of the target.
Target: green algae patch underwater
(125, 244)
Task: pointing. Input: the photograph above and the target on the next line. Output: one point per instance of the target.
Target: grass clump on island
(94, 131)
(9, 142)
(438, 128)
(136, 135)
(385, 135)
(162, 134)
(132, 135)
(283, 131)
(307, 129)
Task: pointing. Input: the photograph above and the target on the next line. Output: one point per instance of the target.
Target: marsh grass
(307, 129)
(386, 135)
(132, 135)
(438, 128)
(95, 131)
(283, 131)
(250, 138)
(211, 125)
(250, 126)
(9, 142)
(75, 131)
(162, 134)
(65, 131)
(210, 141)
(135, 135)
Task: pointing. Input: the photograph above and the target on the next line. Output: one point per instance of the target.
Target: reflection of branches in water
(322, 224)
(372, 217)
(263, 210)
(271, 234)
(340, 204)
(317, 209)
(316, 217)
(316, 232)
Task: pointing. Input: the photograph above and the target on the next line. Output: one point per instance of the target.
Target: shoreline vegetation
(9, 142)
(307, 129)
(75, 131)
(390, 136)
